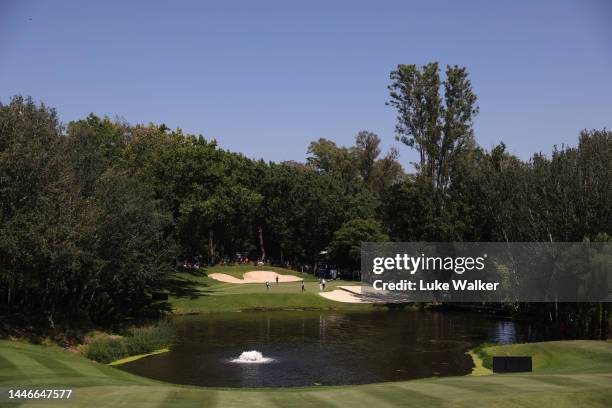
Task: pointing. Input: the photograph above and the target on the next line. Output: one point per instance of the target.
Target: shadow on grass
(185, 288)
(194, 272)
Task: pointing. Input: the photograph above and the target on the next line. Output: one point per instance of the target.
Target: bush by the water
(106, 349)
(139, 340)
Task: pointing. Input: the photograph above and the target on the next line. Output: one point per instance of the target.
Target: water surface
(325, 348)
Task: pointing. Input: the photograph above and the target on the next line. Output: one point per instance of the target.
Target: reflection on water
(505, 332)
(325, 347)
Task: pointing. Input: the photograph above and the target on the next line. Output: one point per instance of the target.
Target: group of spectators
(191, 263)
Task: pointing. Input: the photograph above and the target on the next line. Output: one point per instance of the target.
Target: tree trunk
(261, 244)
(603, 321)
(211, 248)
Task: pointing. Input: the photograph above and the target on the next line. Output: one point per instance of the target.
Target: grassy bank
(556, 356)
(566, 374)
(138, 357)
(197, 293)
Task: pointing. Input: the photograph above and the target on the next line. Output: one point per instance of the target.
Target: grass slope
(567, 374)
(197, 293)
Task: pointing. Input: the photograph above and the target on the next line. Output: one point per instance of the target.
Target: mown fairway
(566, 374)
(197, 293)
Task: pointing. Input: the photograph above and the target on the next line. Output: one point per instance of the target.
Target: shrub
(138, 340)
(106, 349)
(141, 340)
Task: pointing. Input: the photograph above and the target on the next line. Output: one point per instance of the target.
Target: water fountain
(252, 357)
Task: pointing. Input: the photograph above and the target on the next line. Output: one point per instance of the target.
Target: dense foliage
(79, 235)
(94, 215)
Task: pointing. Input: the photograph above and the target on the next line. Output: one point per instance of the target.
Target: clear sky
(267, 77)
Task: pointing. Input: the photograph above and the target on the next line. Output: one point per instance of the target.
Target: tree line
(95, 214)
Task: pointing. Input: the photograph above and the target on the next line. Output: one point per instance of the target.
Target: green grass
(567, 374)
(138, 357)
(238, 270)
(560, 357)
(260, 301)
(197, 293)
(479, 368)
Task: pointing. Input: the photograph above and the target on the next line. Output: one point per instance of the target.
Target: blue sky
(267, 77)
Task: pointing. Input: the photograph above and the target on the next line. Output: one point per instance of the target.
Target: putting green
(566, 374)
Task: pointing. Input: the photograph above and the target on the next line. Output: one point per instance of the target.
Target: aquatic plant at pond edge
(138, 340)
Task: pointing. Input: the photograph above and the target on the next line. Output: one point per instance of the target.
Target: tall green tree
(345, 248)
(81, 239)
(328, 158)
(434, 116)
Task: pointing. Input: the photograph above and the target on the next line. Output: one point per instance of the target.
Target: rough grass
(106, 349)
(567, 374)
(142, 340)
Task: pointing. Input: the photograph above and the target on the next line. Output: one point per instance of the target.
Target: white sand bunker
(357, 294)
(347, 294)
(255, 277)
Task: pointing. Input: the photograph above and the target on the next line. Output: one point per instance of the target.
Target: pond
(327, 348)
